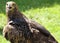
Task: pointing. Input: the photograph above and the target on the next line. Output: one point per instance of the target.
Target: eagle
(20, 29)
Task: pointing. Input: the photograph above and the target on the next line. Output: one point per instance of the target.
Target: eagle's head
(10, 6)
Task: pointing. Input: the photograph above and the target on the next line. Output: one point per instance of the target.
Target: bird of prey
(20, 29)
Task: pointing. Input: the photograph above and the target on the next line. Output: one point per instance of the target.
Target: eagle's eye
(13, 4)
(7, 4)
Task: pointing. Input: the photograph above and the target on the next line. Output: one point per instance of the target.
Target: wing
(37, 27)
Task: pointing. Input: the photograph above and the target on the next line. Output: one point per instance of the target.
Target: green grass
(45, 12)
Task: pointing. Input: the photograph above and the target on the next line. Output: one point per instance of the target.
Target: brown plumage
(20, 29)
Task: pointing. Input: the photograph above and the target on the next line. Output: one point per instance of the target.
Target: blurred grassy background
(45, 12)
